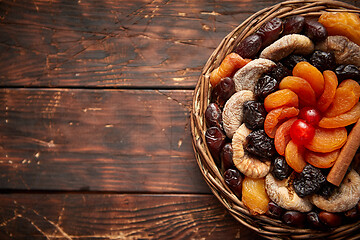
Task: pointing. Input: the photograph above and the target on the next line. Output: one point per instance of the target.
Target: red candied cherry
(311, 115)
(301, 132)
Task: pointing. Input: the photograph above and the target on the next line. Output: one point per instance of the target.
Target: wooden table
(95, 102)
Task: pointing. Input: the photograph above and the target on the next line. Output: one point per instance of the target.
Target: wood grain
(117, 216)
(111, 140)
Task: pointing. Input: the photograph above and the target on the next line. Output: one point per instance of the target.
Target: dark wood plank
(109, 140)
(98, 216)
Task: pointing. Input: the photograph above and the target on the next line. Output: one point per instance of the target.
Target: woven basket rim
(266, 227)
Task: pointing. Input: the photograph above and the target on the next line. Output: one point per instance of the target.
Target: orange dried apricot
(342, 120)
(301, 87)
(311, 74)
(227, 68)
(275, 116)
(330, 85)
(254, 195)
(294, 156)
(282, 136)
(327, 139)
(352, 85)
(322, 160)
(281, 98)
(342, 23)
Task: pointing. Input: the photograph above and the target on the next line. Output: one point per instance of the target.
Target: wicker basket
(263, 225)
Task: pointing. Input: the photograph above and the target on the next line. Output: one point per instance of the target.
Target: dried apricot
(311, 74)
(330, 85)
(342, 23)
(342, 120)
(301, 87)
(254, 195)
(327, 139)
(346, 96)
(281, 98)
(294, 156)
(282, 136)
(274, 118)
(322, 160)
(227, 68)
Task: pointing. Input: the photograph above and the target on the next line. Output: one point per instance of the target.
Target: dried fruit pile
(283, 122)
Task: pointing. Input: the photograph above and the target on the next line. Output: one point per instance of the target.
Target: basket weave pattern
(263, 225)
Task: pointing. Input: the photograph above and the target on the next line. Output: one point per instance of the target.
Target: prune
(215, 140)
(270, 31)
(249, 46)
(348, 72)
(226, 156)
(259, 144)
(213, 116)
(326, 190)
(352, 214)
(274, 210)
(330, 219)
(314, 221)
(315, 30)
(280, 168)
(233, 179)
(294, 219)
(291, 61)
(323, 60)
(309, 181)
(293, 24)
(279, 72)
(264, 86)
(254, 114)
(223, 91)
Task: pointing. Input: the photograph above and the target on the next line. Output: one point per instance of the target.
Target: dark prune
(223, 91)
(213, 116)
(270, 31)
(330, 219)
(215, 140)
(264, 86)
(274, 210)
(254, 114)
(352, 214)
(348, 72)
(233, 179)
(294, 219)
(226, 156)
(293, 24)
(309, 181)
(279, 72)
(249, 46)
(314, 221)
(291, 61)
(326, 190)
(323, 60)
(259, 144)
(280, 168)
(315, 30)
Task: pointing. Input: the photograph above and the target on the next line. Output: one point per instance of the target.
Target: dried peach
(342, 120)
(281, 98)
(346, 96)
(311, 74)
(254, 195)
(327, 139)
(330, 85)
(294, 156)
(274, 118)
(322, 160)
(301, 87)
(282, 136)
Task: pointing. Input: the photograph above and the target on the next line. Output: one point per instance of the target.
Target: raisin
(323, 60)
(315, 30)
(249, 46)
(223, 91)
(280, 168)
(293, 24)
(233, 179)
(215, 140)
(348, 72)
(270, 31)
(259, 144)
(309, 181)
(264, 86)
(226, 156)
(254, 114)
(291, 61)
(213, 116)
(279, 72)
